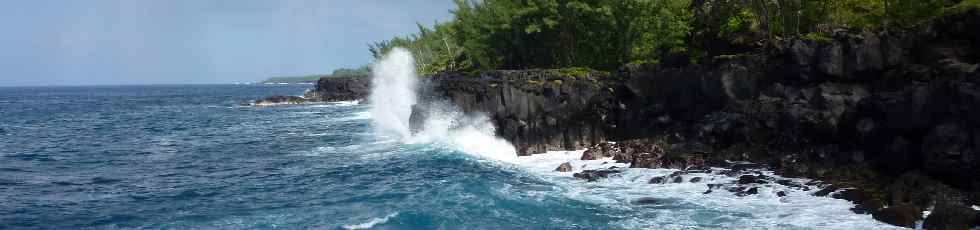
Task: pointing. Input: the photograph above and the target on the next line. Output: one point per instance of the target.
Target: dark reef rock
(279, 100)
(952, 217)
(564, 167)
(595, 175)
(893, 112)
(341, 89)
(751, 179)
(781, 193)
(657, 180)
(903, 215)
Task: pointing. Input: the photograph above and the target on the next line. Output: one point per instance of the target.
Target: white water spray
(394, 93)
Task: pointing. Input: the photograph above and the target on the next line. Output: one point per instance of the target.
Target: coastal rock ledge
(892, 113)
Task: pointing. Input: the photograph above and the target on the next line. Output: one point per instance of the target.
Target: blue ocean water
(192, 157)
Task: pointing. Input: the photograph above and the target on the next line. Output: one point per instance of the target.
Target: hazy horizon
(146, 42)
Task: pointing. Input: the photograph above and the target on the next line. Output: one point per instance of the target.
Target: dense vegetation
(342, 72)
(607, 34)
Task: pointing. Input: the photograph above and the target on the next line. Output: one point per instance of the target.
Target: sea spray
(393, 87)
(473, 134)
(393, 94)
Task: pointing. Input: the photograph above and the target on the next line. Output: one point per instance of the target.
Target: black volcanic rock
(891, 111)
(595, 175)
(751, 179)
(341, 89)
(279, 100)
(903, 215)
(952, 217)
(564, 167)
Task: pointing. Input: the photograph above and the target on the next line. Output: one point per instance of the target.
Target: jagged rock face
(889, 102)
(341, 88)
(537, 110)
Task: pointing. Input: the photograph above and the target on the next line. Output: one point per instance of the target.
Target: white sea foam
(685, 206)
(393, 94)
(360, 116)
(371, 223)
(393, 85)
(346, 103)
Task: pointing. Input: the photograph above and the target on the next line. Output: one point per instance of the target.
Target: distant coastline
(312, 79)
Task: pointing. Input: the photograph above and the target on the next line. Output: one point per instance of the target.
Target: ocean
(194, 157)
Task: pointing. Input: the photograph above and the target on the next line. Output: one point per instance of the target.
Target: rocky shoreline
(888, 119)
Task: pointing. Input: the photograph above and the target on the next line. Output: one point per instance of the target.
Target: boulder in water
(657, 180)
(564, 167)
(595, 175)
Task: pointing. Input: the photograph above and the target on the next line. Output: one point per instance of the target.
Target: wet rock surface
(595, 175)
(564, 167)
(279, 100)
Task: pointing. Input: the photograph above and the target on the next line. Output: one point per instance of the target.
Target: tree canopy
(608, 34)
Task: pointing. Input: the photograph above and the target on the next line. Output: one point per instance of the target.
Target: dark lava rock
(826, 191)
(750, 179)
(867, 207)
(923, 192)
(592, 154)
(657, 180)
(952, 217)
(949, 151)
(564, 167)
(678, 179)
(746, 167)
(781, 193)
(791, 184)
(741, 191)
(695, 180)
(647, 201)
(279, 100)
(341, 89)
(595, 175)
(853, 195)
(902, 215)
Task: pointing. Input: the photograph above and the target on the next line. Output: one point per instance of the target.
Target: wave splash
(371, 223)
(393, 93)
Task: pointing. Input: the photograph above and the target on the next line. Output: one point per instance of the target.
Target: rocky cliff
(340, 89)
(893, 112)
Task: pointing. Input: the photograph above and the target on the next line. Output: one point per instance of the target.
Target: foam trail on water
(372, 223)
(393, 94)
(393, 87)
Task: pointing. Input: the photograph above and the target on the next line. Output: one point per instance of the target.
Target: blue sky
(97, 42)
